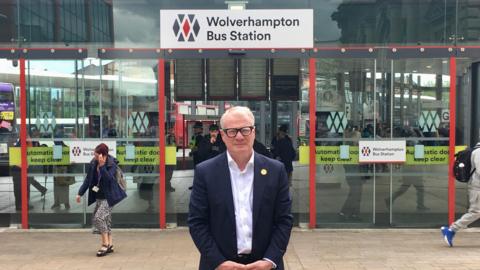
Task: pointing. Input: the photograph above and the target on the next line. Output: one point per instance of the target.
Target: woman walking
(103, 189)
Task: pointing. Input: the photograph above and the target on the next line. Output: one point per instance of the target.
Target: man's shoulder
(266, 160)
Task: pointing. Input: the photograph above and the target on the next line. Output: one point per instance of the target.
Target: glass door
(55, 117)
(345, 112)
(10, 187)
(127, 116)
(419, 94)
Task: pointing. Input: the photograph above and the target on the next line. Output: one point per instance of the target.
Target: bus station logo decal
(366, 151)
(186, 27)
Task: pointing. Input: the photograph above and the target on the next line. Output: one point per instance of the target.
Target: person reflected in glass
(194, 143)
(31, 181)
(211, 145)
(282, 150)
(170, 141)
(416, 180)
(103, 188)
(62, 182)
(61, 187)
(351, 207)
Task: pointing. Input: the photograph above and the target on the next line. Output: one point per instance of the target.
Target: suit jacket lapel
(259, 183)
(226, 186)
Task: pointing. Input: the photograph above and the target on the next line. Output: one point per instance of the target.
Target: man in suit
(239, 212)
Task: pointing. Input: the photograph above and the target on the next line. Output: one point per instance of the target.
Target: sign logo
(186, 27)
(76, 151)
(366, 151)
(328, 168)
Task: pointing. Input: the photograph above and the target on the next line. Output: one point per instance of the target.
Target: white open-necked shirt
(242, 191)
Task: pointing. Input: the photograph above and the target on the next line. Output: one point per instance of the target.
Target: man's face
(240, 144)
(214, 133)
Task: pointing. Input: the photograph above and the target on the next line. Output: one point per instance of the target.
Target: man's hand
(229, 265)
(78, 199)
(259, 265)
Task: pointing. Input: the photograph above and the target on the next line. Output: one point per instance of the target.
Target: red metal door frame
(23, 144)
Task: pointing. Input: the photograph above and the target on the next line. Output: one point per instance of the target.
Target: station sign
(241, 29)
(83, 151)
(382, 151)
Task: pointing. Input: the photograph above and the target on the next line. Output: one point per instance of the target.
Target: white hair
(238, 109)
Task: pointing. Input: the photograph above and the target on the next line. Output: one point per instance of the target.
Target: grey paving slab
(391, 249)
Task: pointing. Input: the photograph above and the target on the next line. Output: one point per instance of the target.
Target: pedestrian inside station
(155, 107)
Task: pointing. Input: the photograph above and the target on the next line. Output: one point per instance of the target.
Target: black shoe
(55, 205)
(102, 251)
(43, 192)
(342, 216)
(110, 249)
(67, 206)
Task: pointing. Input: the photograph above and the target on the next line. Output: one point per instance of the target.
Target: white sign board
(82, 151)
(223, 29)
(382, 151)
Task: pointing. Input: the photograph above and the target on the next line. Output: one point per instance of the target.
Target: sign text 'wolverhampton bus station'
(246, 29)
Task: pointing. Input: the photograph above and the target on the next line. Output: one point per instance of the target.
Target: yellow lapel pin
(263, 172)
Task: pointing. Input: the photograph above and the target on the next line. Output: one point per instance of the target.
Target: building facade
(81, 72)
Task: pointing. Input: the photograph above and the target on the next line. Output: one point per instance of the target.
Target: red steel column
(451, 149)
(312, 155)
(161, 138)
(23, 143)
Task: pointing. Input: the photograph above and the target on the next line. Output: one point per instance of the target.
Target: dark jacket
(195, 152)
(208, 150)
(108, 183)
(282, 149)
(261, 149)
(211, 216)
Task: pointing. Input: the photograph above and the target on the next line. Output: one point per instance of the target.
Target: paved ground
(172, 249)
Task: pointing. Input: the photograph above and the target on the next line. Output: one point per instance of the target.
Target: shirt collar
(233, 164)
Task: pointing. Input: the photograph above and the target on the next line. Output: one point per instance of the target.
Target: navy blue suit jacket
(211, 216)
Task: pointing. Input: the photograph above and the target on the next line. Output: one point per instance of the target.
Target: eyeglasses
(232, 132)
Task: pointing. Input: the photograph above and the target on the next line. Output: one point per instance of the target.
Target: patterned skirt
(102, 217)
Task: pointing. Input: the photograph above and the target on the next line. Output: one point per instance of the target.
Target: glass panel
(467, 23)
(345, 102)
(54, 117)
(467, 121)
(336, 22)
(384, 22)
(10, 196)
(129, 110)
(421, 99)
